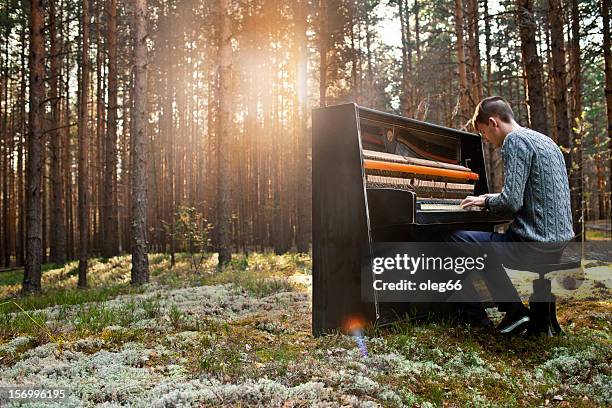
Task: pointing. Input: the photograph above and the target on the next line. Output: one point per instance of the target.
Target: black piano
(382, 177)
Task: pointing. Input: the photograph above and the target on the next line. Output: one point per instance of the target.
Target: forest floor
(242, 338)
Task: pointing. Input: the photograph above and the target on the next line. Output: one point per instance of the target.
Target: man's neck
(508, 128)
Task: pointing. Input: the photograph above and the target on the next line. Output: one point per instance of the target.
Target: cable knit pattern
(536, 189)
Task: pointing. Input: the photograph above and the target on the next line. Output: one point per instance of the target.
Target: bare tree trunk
(67, 161)
(405, 88)
(20, 257)
(488, 46)
(323, 34)
(224, 142)
(303, 196)
(45, 190)
(463, 81)
(532, 66)
(110, 239)
(576, 122)
(32, 274)
(422, 106)
(477, 91)
(370, 95)
(5, 162)
(211, 152)
(140, 261)
(555, 13)
(126, 164)
(601, 180)
(97, 160)
(607, 51)
(58, 230)
(83, 181)
(550, 84)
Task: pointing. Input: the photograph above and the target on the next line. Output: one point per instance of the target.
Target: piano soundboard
(439, 186)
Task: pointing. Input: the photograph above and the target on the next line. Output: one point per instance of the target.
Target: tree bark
(224, 142)
(463, 102)
(32, 273)
(303, 195)
(323, 46)
(577, 122)
(405, 88)
(21, 234)
(607, 51)
(58, 230)
(83, 164)
(140, 261)
(532, 66)
(110, 244)
(477, 92)
(556, 16)
(5, 162)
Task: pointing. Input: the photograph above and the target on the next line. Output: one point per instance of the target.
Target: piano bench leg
(542, 304)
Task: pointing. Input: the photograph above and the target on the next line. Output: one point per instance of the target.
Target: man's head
(493, 118)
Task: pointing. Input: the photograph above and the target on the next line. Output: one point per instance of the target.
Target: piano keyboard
(443, 205)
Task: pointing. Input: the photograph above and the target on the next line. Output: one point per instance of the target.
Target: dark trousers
(507, 249)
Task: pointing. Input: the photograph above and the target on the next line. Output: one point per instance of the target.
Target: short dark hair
(492, 106)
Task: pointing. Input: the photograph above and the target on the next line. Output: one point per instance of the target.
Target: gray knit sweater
(536, 189)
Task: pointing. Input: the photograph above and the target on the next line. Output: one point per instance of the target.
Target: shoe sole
(514, 325)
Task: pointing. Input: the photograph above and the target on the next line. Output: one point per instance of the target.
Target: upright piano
(382, 177)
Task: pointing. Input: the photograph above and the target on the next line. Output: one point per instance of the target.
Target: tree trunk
(323, 34)
(21, 241)
(555, 13)
(83, 181)
(416, 73)
(464, 111)
(576, 122)
(532, 66)
(140, 261)
(224, 142)
(477, 91)
(67, 162)
(488, 46)
(607, 51)
(97, 161)
(58, 230)
(303, 196)
(32, 273)
(405, 88)
(5, 159)
(110, 245)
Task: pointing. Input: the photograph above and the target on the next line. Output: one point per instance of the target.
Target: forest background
(125, 123)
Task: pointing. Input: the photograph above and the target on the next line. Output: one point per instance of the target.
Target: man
(536, 194)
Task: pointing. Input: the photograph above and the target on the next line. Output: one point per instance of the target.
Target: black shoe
(484, 323)
(474, 315)
(514, 322)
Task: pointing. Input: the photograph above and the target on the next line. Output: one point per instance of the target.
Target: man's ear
(493, 122)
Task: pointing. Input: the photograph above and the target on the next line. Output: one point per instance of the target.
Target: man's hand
(471, 201)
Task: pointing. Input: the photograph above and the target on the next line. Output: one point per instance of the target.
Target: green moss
(54, 297)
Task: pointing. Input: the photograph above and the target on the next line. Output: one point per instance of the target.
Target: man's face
(490, 131)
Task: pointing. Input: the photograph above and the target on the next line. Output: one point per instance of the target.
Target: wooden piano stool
(542, 301)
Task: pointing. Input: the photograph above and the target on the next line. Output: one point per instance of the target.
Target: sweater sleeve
(517, 156)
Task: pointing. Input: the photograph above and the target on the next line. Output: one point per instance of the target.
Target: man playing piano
(536, 194)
